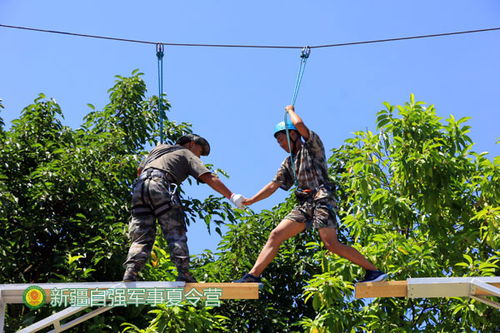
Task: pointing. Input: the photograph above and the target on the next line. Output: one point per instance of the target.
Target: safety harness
(171, 197)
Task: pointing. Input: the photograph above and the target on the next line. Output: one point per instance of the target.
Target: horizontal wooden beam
(157, 290)
(229, 290)
(430, 287)
(381, 289)
(13, 293)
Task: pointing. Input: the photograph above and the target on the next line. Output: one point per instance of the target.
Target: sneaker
(186, 277)
(130, 275)
(248, 278)
(374, 276)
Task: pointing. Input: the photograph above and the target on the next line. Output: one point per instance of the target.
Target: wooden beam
(431, 287)
(381, 289)
(13, 293)
(229, 290)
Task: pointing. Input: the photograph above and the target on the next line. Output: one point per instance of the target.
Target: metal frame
(13, 294)
(474, 287)
(477, 285)
(3, 307)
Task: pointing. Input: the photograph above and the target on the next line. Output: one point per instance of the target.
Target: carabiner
(306, 51)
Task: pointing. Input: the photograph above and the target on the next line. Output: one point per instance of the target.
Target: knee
(141, 236)
(275, 237)
(332, 245)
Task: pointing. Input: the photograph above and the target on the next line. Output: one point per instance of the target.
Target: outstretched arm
(297, 122)
(265, 192)
(214, 182)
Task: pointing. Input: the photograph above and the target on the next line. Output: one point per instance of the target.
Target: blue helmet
(280, 127)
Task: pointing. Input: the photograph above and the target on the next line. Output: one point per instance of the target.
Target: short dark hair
(196, 139)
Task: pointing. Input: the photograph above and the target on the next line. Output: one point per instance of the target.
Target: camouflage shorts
(315, 213)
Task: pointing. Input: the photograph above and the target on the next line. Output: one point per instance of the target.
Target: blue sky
(233, 96)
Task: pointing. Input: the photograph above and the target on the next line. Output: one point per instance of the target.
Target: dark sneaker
(130, 275)
(248, 278)
(374, 276)
(186, 277)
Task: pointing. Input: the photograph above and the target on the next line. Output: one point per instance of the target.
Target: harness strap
(161, 207)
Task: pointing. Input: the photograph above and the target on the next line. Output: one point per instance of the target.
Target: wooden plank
(381, 289)
(428, 287)
(229, 290)
(14, 293)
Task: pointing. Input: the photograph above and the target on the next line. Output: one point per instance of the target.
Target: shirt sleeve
(196, 166)
(142, 164)
(283, 176)
(314, 143)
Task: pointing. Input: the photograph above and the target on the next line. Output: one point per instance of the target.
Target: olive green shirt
(178, 163)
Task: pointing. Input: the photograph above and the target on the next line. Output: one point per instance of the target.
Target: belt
(304, 194)
(326, 187)
(152, 172)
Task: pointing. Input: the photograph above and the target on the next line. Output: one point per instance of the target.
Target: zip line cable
(304, 55)
(251, 46)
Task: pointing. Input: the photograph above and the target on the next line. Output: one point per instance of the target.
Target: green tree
(414, 198)
(65, 193)
(418, 202)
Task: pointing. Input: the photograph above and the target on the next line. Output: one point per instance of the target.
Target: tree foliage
(417, 201)
(413, 197)
(65, 192)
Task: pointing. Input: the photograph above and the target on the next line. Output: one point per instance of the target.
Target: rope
(161, 114)
(304, 55)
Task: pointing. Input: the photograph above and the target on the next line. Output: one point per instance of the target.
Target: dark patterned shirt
(310, 166)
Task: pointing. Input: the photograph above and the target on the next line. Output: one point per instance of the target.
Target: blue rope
(161, 114)
(304, 55)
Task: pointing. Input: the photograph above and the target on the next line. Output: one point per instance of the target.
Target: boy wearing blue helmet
(307, 170)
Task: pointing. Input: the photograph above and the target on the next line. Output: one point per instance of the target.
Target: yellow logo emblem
(34, 297)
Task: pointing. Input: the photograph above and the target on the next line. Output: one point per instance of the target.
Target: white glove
(237, 200)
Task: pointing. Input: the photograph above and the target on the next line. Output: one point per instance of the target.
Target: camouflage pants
(152, 201)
